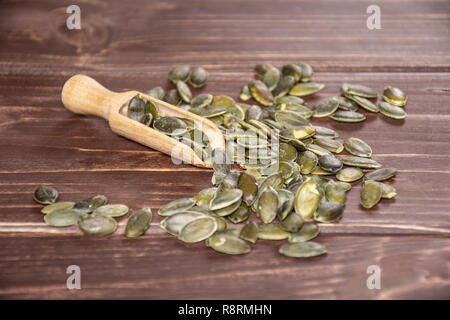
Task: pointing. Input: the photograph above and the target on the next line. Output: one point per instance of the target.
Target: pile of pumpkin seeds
(94, 216)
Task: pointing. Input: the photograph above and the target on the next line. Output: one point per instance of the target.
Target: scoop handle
(83, 95)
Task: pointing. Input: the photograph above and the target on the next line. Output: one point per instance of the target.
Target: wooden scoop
(83, 95)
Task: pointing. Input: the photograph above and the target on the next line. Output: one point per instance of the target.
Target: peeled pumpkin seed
(360, 162)
(286, 203)
(221, 223)
(179, 73)
(198, 229)
(287, 152)
(358, 90)
(289, 119)
(381, 174)
(271, 231)
(364, 103)
(388, 191)
(370, 193)
(307, 72)
(184, 91)
(267, 205)
(92, 203)
(299, 109)
(394, 96)
(391, 111)
(228, 209)
(97, 225)
(330, 163)
(138, 222)
(325, 107)
(328, 211)
(139, 109)
(45, 195)
(156, 92)
(112, 210)
(318, 150)
(292, 223)
(307, 232)
(174, 223)
(57, 206)
(172, 97)
(241, 214)
(249, 232)
(253, 113)
(292, 70)
(329, 144)
(202, 100)
(302, 249)
(335, 192)
(209, 111)
(261, 69)
(64, 217)
(307, 161)
(290, 100)
(171, 126)
(220, 165)
(344, 185)
(230, 181)
(260, 92)
(349, 174)
(225, 198)
(249, 188)
(271, 78)
(284, 86)
(245, 93)
(357, 147)
(178, 205)
(347, 104)
(198, 77)
(228, 243)
(318, 171)
(307, 198)
(348, 116)
(306, 88)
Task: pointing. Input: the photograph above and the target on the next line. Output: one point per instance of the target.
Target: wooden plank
(157, 267)
(332, 35)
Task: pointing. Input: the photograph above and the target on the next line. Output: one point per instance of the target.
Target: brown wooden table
(132, 45)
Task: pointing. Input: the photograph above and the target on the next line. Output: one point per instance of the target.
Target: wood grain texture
(124, 49)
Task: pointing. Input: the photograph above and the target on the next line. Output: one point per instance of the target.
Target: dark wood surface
(132, 45)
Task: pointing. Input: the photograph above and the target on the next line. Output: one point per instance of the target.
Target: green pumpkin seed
(198, 229)
(306, 88)
(323, 132)
(170, 125)
(253, 113)
(289, 119)
(286, 202)
(307, 161)
(241, 214)
(249, 188)
(344, 185)
(198, 77)
(335, 192)
(299, 109)
(267, 205)
(287, 152)
(381, 174)
(317, 149)
(228, 243)
(92, 203)
(307, 72)
(172, 97)
(302, 249)
(139, 109)
(64, 217)
(156, 92)
(325, 107)
(328, 212)
(230, 181)
(349, 174)
(388, 191)
(291, 100)
(271, 78)
(184, 91)
(260, 92)
(364, 103)
(229, 209)
(138, 222)
(370, 193)
(307, 232)
(329, 144)
(348, 116)
(357, 147)
(292, 223)
(284, 86)
(271, 231)
(202, 100)
(225, 198)
(209, 111)
(394, 96)
(249, 232)
(221, 223)
(57, 206)
(45, 195)
(391, 111)
(358, 90)
(112, 210)
(347, 104)
(174, 223)
(177, 206)
(220, 165)
(292, 70)
(307, 198)
(261, 69)
(245, 93)
(330, 163)
(179, 73)
(360, 162)
(98, 225)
